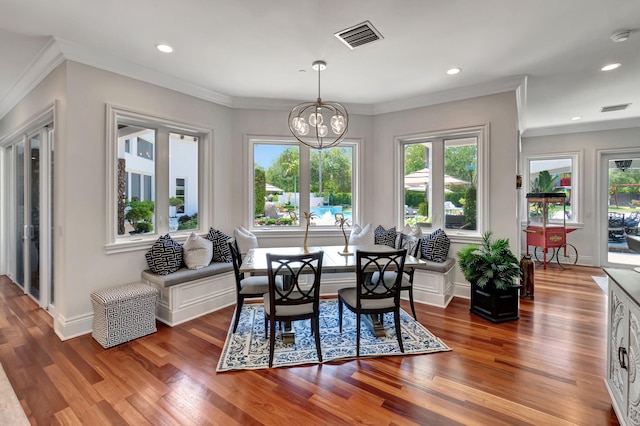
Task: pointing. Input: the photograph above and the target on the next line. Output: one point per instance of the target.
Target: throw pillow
(414, 232)
(435, 247)
(197, 251)
(164, 256)
(245, 238)
(361, 236)
(221, 252)
(385, 236)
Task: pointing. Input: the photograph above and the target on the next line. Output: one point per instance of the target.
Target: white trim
(118, 244)
(481, 132)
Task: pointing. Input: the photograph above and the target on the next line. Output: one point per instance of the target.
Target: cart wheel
(538, 253)
(567, 256)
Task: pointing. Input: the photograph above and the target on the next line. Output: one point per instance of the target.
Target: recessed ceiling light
(577, 117)
(611, 67)
(164, 48)
(453, 71)
(621, 36)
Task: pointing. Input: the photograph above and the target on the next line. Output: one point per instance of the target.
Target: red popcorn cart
(547, 229)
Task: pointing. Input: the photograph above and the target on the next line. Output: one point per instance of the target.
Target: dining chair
(246, 286)
(412, 245)
(375, 298)
(616, 226)
(297, 298)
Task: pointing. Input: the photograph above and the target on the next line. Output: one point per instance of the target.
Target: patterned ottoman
(123, 313)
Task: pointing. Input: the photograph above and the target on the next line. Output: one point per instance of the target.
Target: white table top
(255, 261)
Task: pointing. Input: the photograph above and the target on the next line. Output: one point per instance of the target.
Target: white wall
(589, 235)
(82, 264)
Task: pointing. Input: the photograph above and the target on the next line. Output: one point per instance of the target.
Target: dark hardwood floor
(545, 369)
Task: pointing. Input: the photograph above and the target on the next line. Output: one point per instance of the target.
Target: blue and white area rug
(248, 349)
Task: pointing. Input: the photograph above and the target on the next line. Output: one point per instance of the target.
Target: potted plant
(493, 271)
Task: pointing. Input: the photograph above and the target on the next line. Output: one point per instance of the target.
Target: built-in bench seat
(189, 293)
(184, 275)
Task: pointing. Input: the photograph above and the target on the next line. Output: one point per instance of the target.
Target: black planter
(495, 305)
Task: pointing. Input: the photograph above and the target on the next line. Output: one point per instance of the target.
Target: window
(289, 179)
(556, 173)
(441, 182)
(145, 148)
(154, 194)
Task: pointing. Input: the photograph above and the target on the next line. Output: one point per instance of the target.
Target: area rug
(248, 349)
(11, 412)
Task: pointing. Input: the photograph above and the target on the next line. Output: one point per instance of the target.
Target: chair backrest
(388, 285)
(616, 220)
(236, 259)
(295, 289)
(410, 243)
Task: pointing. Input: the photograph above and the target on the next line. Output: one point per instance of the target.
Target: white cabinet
(623, 344)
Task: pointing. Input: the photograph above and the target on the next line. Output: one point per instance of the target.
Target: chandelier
(307, 121)
(623, 164)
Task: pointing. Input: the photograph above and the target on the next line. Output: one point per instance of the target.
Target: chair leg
(413, 309)
(272, 341)
(396, 317)
(358, 334)
(316, 329)
(238, 312)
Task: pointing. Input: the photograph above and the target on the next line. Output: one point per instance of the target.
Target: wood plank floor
(545, 369)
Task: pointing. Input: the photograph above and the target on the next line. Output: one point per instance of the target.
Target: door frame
(603, 158)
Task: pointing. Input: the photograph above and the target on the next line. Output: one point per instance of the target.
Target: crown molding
(457, 94)
(594, 126)
(49, 57)
(113, 64)
(287, 104)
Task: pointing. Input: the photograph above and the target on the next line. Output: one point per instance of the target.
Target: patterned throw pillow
(435, 247)
(221, 252)
(385, 236)
(197, 251)
(164, 256)
(361, 236)
(245, 238)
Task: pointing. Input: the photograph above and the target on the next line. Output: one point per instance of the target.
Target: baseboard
(68, 328)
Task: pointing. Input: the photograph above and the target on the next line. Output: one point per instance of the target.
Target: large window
(555, 173)
(289, 179)
(442, 180)
(155, 168)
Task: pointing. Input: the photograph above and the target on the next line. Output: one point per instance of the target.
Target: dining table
(335, 260)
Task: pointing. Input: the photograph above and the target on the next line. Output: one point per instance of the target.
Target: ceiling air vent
(611, 108)
(359, 35)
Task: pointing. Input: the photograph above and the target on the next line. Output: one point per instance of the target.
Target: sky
(265, 155)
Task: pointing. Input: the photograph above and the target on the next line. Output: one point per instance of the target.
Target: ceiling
(250, 52)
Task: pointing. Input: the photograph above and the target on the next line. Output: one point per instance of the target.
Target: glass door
(30, 223)
(622, 217)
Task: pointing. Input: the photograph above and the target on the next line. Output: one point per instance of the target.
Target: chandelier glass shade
(623, 164)
(319, 124)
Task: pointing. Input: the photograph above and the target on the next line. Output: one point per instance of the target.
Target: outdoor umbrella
(270, 188)
(422, 177)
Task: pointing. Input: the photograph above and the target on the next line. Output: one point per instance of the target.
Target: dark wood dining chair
(412, 245)
(375, 298)
(296, 299)
(246, 286)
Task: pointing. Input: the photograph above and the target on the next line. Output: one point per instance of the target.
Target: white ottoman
(123, 313)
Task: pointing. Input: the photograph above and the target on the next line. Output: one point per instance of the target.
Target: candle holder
(307, 216)
(341, 222)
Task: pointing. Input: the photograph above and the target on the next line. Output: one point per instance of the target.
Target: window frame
(163, 126)
(438, 138)
(576, 158)
(304, 182)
